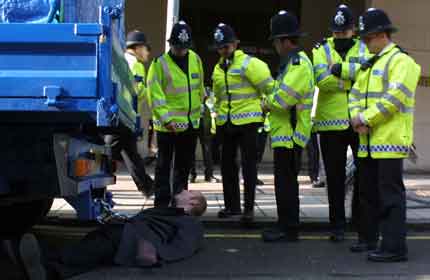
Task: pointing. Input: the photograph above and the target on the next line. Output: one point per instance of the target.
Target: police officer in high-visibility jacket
(137, 54)
(239, 82)
(176, 91)
(336, 65)
(381, 105)
(124, 143)
(290, 105)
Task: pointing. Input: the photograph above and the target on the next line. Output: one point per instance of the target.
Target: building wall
(150, 17)
(411, 18)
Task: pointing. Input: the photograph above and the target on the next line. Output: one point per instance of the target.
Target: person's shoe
(193, 178)
(318, 184)
(147, 187)
(381, 256)
(259, 182)
(225, 213)
(149, 160)
(337, 236)
(29, 251)
(361, 247)
(247, 218)
(212, 179)
(277, 235)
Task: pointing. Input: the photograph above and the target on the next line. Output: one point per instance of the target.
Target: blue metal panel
(68, 67)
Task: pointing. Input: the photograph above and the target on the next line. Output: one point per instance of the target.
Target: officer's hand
(356, 122)
(171, 126)
(336, 69)
(362, 130)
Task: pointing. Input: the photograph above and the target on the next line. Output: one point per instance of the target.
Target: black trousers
(234, 137)
(383, 200)
(287, 167)
(261, 145)
(313, 153)
(97, 248)
(205, 139)
(334, 146)
(177, 148)
(124, 145)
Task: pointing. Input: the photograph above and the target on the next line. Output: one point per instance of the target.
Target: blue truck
(64, 86)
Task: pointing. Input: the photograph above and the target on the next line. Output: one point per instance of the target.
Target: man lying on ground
(150, 238)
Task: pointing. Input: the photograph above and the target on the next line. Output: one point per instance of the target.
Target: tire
(18, 218)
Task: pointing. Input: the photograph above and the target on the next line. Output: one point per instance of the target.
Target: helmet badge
(218, 35)
(339, 19)
(361, 24)
(183, 36)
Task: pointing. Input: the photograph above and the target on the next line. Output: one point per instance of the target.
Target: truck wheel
(18, 218)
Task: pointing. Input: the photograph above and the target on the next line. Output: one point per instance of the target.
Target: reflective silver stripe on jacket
(281, 102)
(240, 96)
(328, 54)
(290, 91)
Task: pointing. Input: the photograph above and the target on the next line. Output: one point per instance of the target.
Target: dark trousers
(287, 187)
(234, 137)
(97, 248)
(313, 153)
(383, 200)
(261, 145)
(177, 148)
(334, 146)
(124, 145)
(205, 139)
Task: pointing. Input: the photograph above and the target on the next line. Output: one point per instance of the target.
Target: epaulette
(402, 50)
(295, 60)
(321, 43)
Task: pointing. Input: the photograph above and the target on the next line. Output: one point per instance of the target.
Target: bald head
(193, 202)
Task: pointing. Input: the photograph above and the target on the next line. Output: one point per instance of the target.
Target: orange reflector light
(82, 167)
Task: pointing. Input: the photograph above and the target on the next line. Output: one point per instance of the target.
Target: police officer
(291, 98)
(124, 143)
(176, 91)
(381, 105)
(206, 131)
(336, 64)
(137, 54)
(239, 82)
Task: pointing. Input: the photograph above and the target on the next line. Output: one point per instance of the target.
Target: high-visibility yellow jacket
(173, 95)
(139, 78)
(294, 88)
(332, 107)
(384, 95)
(239, 91)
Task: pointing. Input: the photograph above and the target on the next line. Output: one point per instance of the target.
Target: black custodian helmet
(181, 35)
(374, 20)
(223, 35)
(284, 24)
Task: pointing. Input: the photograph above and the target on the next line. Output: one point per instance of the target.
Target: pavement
(313, 201)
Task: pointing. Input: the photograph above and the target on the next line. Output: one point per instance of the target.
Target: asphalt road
(241, 255)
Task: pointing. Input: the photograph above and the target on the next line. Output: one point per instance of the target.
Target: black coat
(174, 234)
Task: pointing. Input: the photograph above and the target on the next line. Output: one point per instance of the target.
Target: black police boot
(212, 179)
(193, 178)
(226, 213)
(387, 257)
(278, 235)
(247, 218)
(259, 182)
(362, 246)
(29, 251)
